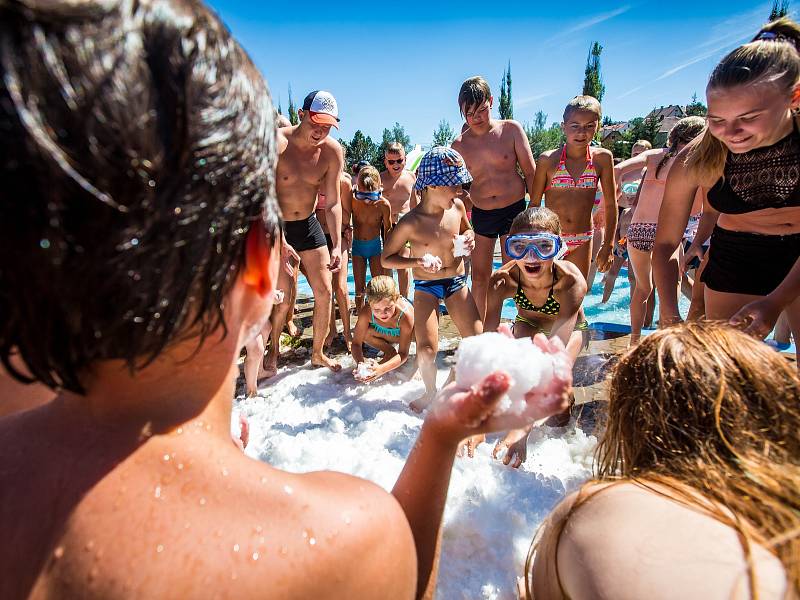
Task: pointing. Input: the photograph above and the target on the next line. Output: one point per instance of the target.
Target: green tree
(506, 106)
(292, 110)
(444, 134)
(593, 80)
(779, 10)
(639, 128)
(696, 108)
(360, 148)
(542, 138)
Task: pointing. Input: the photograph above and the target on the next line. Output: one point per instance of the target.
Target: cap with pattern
(322, 108)
(442, 166)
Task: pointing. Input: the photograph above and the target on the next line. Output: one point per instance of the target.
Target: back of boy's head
(369, 179)
(135, 160)
(645, 144)
(536, 218)
(395, 148)
(380, 288)
(474, 92)
(583, 103)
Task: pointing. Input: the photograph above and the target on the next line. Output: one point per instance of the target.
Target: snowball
(460, 246)
(364, 370)
(429, 261)
(525, 363)
(278, 297)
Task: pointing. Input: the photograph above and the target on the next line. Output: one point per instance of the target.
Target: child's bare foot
(324, 361)
(422, 402)
(270, 367)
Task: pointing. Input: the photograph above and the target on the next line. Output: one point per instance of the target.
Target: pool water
(615, 311)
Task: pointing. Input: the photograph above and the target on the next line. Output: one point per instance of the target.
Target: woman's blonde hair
(771, 57)
(380, 288)
(713, 415)
(369, 179)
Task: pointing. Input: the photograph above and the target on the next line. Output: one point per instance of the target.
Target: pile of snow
(308, 420)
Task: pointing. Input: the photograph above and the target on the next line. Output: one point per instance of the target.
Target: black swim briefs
(305, 234)
(496, 222)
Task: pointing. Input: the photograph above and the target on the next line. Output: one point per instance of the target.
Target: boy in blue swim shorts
(371, 213)
(430, 229)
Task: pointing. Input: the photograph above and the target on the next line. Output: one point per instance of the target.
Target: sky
(404, 62)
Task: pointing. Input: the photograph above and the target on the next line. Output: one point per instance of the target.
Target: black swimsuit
(752, 263)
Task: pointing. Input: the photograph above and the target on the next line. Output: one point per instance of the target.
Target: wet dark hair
(474, 92)
(138, 149)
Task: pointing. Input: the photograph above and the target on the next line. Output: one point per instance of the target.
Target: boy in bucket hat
(430, 229)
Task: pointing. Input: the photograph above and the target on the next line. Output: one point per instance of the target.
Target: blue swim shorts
(367, 248)
(440, 288)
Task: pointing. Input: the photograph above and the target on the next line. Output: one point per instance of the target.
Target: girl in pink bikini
(642, 230)
(574, 198)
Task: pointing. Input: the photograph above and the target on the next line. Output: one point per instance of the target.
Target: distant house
(666, 117)
(663, 130)
(609, 134)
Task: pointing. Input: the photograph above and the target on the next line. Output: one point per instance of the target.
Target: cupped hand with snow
(459, 412)
(430, 263)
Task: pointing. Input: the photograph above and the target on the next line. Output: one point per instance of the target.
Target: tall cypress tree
(779, 11)
(506, 107)
(292, 110)
(593, 80)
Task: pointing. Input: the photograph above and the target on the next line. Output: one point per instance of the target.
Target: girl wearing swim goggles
(548, 293)
(368, 196)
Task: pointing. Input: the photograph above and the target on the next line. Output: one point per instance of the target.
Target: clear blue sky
(404, 62)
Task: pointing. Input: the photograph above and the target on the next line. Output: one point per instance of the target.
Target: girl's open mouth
(533, 269)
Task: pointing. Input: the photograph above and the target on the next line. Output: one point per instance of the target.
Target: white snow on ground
(309, 420)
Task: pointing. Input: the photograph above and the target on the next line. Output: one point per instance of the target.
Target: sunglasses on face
(398, 161)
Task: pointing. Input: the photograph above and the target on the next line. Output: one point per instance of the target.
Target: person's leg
(316, 268)
(277, 320)
(426, 334)
(581, 257)
(611, 277)
(252, 364)
(597, 241)
(783, 331)
(640, 262)
(375, 267)
(381, 344)
(481, 259)
(360, 280)
(723, 305)
(697, 308)
(792, 314)
(404, 275)
(650, 308)
(462, 309)
(342, 299)
(291, 300)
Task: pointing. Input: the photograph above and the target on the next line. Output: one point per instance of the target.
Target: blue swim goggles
(368, 196)
(544, 245)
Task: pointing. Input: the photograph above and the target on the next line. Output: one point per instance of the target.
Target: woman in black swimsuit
(749, 160)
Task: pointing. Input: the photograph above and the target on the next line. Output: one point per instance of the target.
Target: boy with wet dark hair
(138, 234)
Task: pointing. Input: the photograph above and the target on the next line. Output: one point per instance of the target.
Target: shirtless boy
(127, 484)
(430, 228)
(309, 163)
(398, 189)
(492, 149)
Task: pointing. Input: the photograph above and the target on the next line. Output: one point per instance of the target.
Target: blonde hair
(644, 144)
(380, 288)
(771, 57)
(538, 218)
(683, 132)
(369, 179)
(474, 91)
(712, 415)
(587, 103)
(394, 148)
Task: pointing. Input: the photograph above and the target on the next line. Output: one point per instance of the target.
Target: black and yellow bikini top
(551, 306)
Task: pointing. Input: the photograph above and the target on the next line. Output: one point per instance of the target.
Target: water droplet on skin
(255, 555)
(58, 552)
(236, 547)
(160, 548)
(202, 501)
(157, 492)
(180, 466)
(166, 457)
(179, 430)
(224, 472)
(288, 489)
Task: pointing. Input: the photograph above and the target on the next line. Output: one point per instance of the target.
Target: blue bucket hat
(442, 166)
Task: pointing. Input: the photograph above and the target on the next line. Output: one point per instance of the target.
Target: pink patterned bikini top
(562, 179)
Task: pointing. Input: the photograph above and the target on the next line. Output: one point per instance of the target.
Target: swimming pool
(615, 311)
